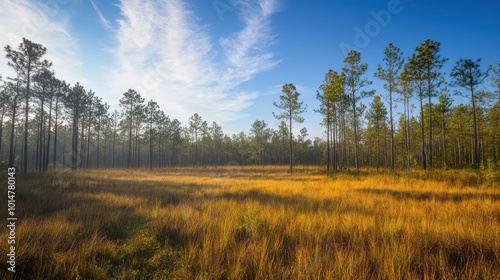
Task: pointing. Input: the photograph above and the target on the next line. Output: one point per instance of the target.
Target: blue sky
(227, 60)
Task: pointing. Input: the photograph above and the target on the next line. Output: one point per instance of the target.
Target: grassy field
(255, 223)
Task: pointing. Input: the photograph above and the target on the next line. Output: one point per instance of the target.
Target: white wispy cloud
(165, 53)
(246, 50)
(105, 22)
(43, 23)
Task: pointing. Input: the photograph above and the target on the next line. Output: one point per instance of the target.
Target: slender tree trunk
(26, 113)
(34, 162)
(327, 137)
(42, 147)
(55, 132)
(114, 147)
(82, 145)
(356, 147)
(444, 140)
(16, 141)
(160, 138)
(393, 149)
(74, 147)
(422, 134)
(150, 146)
(123, 153)
(386, 147)
(129, 140)
(13, 132)
(430, 130)
(291, 143)
(283, 149)
(175, 152)
(64, 150)
(345, 162)
(408, 139)
(46, 156)
(378, 146)
(99, 142)
(472, 149)
(138, 146)
(105, 154)
(196, 146)
(87, 154)
(37, 155)
(334, 139)
(460, 152)
(475, 159)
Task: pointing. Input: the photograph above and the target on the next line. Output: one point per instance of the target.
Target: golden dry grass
(256, 223)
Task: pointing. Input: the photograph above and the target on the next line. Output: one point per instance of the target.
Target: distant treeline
(48, 123)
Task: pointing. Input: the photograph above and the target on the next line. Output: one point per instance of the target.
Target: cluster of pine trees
(49, 123)
(434, 133)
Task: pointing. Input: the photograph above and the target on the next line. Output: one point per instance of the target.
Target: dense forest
(47, 123)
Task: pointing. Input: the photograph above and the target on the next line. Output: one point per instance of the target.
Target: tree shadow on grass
(168, 192)
(428, 195)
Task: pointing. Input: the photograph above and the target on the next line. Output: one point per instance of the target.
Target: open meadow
(256, 223)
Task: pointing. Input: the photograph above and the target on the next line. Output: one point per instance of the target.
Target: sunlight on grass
(257, 222)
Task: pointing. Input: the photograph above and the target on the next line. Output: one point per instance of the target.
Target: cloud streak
(165, 53)
(105, 23)
(246, 50)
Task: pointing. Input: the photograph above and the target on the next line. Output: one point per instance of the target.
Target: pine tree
(27, 63)
(406, 91)
(260, 135)
(330, 104)
(130, 103)
(394, 64)
(75, 103)
(354, 82)
(468, 75)
(195, 123)
(376, 117)
(152, 118)
(443, 108)
(431, 63)
(289, 103)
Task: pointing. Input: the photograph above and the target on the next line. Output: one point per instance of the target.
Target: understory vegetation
(256, 223)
